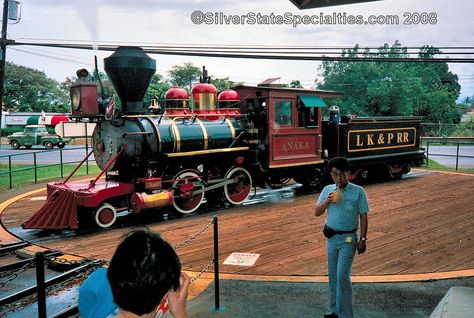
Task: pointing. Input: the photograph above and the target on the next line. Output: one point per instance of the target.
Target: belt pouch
(328, 232)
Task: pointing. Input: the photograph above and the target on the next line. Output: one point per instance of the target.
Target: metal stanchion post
(217, 306)
(61, 160)
(10, 170)
(41, 286)
(457, 156)
(87, 151)
(427, 152)
(36, 169)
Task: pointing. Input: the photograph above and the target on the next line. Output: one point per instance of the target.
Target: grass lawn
(25, 174)
(433, 165)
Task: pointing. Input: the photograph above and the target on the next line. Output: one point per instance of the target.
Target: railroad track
(21, 269)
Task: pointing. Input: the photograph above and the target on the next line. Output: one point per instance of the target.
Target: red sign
(294, 146)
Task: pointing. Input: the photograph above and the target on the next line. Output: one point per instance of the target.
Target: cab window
(307, 116)
(282, 116)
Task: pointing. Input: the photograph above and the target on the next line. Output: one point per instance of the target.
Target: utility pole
(3, 47)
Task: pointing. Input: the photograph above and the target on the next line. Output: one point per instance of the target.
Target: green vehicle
(36, 135)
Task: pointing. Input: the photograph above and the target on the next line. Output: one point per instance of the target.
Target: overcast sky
(159, 22)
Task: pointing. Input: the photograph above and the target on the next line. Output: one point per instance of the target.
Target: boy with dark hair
(145, 276)
(346, 204)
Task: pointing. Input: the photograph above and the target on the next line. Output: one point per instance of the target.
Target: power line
(252, 54)
(226, 46)
(53, 57)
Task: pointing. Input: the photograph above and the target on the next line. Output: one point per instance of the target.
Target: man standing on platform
(346, 204)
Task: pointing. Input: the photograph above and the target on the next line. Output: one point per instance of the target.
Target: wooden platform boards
(420, 224)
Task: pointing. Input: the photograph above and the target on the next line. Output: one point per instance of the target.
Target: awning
(46, 120)
(312, 101)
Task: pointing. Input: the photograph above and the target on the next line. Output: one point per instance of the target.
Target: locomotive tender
(202, 148)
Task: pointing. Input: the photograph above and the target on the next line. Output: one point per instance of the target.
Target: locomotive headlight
(75, 99)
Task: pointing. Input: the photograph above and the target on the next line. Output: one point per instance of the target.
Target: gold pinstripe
(231, 126)
(205, 152)
(177, 136)
(204, 133)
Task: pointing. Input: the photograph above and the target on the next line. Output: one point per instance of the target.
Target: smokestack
(130, 70)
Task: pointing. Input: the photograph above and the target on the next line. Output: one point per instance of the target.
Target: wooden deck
(416, 225)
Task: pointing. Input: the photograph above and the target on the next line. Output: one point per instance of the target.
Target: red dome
(200, 88)
(176, 93)
(228, 95)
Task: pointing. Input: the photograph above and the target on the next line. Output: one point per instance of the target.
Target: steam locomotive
(200, 147)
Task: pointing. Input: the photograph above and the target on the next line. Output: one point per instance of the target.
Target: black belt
(345, 232)
(341, 232)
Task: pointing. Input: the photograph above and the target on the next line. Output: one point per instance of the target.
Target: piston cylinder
(142, 201)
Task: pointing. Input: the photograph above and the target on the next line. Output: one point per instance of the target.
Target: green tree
(185, 75)
(394, 88)
(296, 84)
(223, 83)
(29, 90)
(158, 87)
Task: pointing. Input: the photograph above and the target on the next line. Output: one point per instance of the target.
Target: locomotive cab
(289, 128)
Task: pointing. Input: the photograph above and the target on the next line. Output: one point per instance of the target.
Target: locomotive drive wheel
(105, 215)
(184, 200)
(238, 192)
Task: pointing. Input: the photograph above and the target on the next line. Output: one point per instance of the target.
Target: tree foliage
(426, 89)
(29, 90)
(185, 75)
(296, 84)
(157, 89)
(223, 83)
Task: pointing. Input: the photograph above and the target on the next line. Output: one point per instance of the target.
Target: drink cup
(337, 196)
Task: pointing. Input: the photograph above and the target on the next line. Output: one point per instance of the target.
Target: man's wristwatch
(363, 239)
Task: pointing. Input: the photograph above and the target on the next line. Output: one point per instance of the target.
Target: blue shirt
(95, 296)
(344, 215)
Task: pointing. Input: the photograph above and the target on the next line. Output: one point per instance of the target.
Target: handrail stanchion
(10, 170)
(40, 285)
(457, 155)
(87, 149)
(216, 264)
(36, 168)
(61, 160)
(427, 152)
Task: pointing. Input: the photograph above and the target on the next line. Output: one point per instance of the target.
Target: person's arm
(177, 298)
(321, 208)
(364, 223)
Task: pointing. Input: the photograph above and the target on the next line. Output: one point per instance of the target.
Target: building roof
(297, 90)
(309, 4)
(268, 81)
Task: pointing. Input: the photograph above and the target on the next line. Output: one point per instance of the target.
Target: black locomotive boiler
(213, 145)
